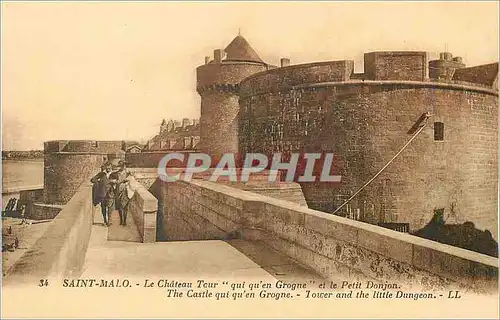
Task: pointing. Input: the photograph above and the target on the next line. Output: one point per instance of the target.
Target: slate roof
(240, 50)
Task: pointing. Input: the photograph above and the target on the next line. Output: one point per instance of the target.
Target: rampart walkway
(235, 232)
(118, 252)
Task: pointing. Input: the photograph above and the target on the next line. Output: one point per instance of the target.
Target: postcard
(334, 159)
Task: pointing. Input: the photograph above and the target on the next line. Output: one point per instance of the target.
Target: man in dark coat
(97, 195)
(104, 191)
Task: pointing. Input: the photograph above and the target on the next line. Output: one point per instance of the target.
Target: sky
(113, 71)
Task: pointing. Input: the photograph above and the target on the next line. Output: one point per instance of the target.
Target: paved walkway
(117, 251)
(116, 232)
(179, 259)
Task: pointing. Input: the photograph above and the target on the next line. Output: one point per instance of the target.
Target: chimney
(170, 125)
(285, 62)
(218, 55)
(207, 59)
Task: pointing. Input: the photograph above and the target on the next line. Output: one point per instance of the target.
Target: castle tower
(69, 163)
(445, 66)
(218, 85)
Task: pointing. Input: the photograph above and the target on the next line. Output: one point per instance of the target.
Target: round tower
(218, 85)
(322, 108)
(444, 68)
(67, 164)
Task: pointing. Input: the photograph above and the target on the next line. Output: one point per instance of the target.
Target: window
(438, 131)
(187, 142)
(95, 144)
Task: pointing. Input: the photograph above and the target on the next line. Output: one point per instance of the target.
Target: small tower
(444, 68)
(218, 85)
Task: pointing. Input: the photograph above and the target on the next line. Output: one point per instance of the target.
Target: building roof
(176, 134)
(240, 50)
(485, 74)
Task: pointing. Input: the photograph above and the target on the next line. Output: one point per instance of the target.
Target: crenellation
(361, 128)
(218, 86)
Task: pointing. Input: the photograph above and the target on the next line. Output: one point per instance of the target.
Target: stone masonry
(365, 119)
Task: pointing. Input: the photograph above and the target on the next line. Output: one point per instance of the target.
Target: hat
(122, 163)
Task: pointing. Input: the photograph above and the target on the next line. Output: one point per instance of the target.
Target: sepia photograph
(250, 159)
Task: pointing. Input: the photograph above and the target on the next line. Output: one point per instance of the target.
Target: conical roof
(240, 50)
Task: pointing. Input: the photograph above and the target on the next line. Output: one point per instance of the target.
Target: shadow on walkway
(274, 262)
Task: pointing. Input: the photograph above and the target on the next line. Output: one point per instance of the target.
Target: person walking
(121, 176)
(104, 191)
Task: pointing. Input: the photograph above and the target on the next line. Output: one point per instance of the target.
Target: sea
(19, 174)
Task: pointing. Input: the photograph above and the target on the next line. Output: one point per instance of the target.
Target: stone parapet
(60, 251)
(330, 245)
(143, 207)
